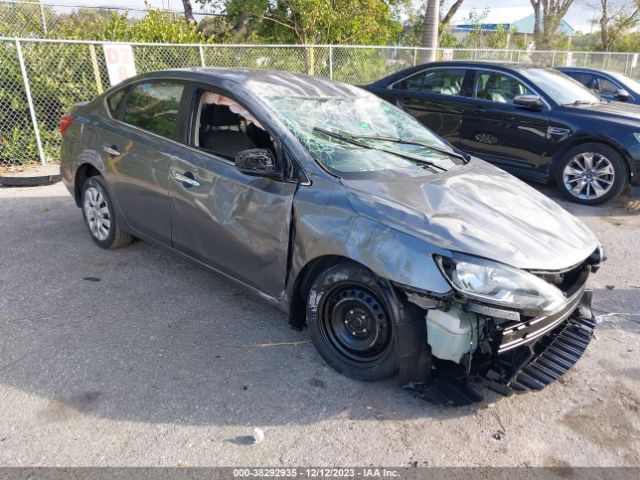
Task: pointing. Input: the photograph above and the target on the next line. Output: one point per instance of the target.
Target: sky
(579, 16)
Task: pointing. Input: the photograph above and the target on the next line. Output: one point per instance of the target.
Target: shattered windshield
(338, 132)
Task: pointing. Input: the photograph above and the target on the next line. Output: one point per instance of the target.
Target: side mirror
(622, 95)
(529, 101)
(258, 162)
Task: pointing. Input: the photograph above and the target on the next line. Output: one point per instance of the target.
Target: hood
(480, 210)
(627, 113)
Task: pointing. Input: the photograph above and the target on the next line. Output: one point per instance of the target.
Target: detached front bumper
(527, 355)
(532, 366)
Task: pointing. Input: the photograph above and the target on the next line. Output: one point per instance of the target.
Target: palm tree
(430, 28)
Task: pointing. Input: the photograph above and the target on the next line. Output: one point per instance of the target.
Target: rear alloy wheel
(350, 324)
(98, 213)
(591, 174)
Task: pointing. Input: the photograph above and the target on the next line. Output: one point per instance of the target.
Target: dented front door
(236, 223)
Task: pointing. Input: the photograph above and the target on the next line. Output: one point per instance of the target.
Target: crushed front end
(479, 336)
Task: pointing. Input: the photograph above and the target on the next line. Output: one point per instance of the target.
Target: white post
(32, 110)
(330, 62)
(202, 56)
(415, 56)
(94, 64)
(44, 19)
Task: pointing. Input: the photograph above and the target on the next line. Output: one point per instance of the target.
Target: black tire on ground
(97, 205)
(615, 183)
(351, 322)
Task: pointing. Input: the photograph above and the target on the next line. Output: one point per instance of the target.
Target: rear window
(153, 106)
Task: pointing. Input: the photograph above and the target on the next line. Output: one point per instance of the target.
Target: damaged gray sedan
(403, 256)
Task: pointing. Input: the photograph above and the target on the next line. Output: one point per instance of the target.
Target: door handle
(481, 109)
(186, 179)
(111, 150)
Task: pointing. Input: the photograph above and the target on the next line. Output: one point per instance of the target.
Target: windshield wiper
(413, 142)
(354, 141)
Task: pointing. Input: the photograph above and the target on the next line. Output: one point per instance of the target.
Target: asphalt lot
(135, 357)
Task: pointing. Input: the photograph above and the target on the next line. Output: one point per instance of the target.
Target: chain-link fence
(42, 79)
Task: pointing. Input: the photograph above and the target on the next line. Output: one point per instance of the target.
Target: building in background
(520, 20)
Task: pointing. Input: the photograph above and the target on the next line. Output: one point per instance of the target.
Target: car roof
(482, 63)
(583, 69)
(261, 82)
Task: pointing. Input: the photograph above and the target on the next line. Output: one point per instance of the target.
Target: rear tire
(591, 174)
(99, 215)
(351, 322)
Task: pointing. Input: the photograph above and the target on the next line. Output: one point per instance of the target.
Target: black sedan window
(606, 87)
(498, 87)
(443, 81)
(153, 106)
(414, 82)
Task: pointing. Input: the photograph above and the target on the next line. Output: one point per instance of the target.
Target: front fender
(335, 229)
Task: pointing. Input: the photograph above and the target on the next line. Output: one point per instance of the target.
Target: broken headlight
(500, 284)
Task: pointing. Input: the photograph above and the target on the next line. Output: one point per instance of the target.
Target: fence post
(96, 70)
(32, 110)
(201, 55)
(330, 62)
(415, 56)
(43, 18)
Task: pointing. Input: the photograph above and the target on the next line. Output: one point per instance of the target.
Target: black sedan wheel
(350, 323)
(591, 174)
(99, 215)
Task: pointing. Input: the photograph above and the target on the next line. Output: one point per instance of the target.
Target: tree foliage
(616, 19)
(314, 21)
(548, 16)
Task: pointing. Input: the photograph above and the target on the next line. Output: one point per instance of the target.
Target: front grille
(568, 281)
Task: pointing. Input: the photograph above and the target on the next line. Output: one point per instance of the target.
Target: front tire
(351, 323)
(99, 215)
(591, 174)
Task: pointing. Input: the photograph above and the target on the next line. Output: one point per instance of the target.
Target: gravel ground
(134, 357)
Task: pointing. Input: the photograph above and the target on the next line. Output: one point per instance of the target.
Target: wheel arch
(574, 142)
(302, 284)
(84, 171)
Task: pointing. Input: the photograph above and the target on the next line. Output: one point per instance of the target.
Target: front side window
(606, 87)
(498, 87)
(153, 106)
(224, 127)
(376, 129)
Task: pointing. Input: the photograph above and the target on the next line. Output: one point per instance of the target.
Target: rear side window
(153, 106)
(443, 81)
(414, 82)
(114, 100)
(586, 79)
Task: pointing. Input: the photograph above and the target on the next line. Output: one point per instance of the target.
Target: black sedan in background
(609, 85)
(534, 122)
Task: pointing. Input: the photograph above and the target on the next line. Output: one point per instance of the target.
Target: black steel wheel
(355, 324)
(350, 322)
